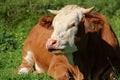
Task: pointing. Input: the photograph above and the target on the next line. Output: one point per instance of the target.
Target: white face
(65, 25)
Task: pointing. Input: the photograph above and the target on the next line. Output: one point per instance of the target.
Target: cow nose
(51, 44)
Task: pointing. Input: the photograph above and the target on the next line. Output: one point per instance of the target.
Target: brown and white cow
(35, 54)
(89, 37)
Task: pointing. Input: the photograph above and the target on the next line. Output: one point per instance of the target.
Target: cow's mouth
(56, 51)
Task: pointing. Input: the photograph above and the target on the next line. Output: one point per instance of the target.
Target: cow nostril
(51, 44)
(54, 42)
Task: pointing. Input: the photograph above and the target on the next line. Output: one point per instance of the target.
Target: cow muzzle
(52, 46)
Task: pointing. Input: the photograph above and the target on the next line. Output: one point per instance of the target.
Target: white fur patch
(29, 57)
(23, 71)
(38, 69)
(65, 25)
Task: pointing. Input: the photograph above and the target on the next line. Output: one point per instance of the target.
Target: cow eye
(72, 25)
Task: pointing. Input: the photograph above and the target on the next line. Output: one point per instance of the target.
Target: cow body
(35, 54)
(97, 46)
(98, 49)
(33, 50)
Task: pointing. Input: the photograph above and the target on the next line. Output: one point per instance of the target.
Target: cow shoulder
(46, 22)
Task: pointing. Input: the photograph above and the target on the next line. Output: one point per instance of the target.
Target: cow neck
(70, 58)
(81, 38)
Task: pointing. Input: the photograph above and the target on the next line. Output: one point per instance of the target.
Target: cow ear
(107, 33)
(46, 21)
(100, 24)
(109, 36)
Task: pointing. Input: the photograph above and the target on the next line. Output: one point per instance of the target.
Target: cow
(87, 40)
(35, 54)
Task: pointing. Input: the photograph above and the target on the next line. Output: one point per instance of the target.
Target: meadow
(17, 17)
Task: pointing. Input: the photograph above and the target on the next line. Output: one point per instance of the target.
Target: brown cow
(89, 37)
(35, 54)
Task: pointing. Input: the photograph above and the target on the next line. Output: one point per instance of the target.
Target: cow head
(65, 25)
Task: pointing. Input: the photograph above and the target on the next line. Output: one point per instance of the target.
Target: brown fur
(60, 64)
(35, 42)
(97, 47)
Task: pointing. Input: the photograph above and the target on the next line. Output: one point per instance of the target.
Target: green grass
(9, 63)
(18, 17)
